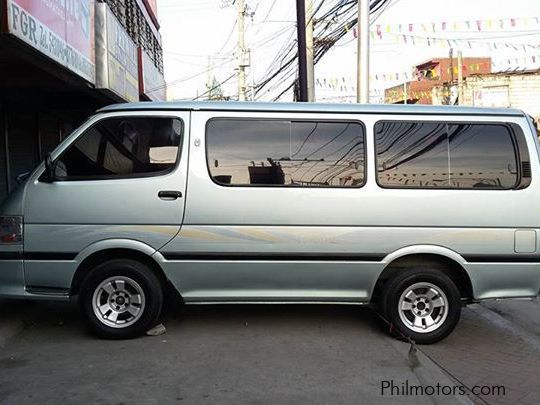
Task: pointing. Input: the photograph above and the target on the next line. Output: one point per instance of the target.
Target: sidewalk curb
(429, 373)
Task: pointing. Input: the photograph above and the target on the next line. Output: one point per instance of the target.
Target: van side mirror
(48, 175)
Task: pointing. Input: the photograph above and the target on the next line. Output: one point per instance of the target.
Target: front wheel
(422, 304)
(121, 299)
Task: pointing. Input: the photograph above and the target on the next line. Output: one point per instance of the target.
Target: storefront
(58, 64)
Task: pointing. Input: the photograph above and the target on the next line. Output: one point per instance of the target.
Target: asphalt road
(264, 354)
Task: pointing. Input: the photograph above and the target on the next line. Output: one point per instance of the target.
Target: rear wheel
(121, 299)
(422, 304)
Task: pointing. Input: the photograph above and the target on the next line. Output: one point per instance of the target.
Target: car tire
(421, 304)
(121, 299)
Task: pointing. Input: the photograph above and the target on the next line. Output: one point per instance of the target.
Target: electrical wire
(186, 78)
(286, 68)
(214, 87)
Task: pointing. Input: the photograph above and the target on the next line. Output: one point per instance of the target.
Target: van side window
(122, 147)
(266, 152)
(445, 155)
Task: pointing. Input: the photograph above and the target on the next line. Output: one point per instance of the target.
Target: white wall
(522, 92)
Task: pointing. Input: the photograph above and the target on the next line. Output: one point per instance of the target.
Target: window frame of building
(113, 177)
(518, 142)
(291, 120)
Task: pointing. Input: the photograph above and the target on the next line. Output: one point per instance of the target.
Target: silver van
(418, 210)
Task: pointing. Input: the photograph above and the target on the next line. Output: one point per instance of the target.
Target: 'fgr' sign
(61, 29)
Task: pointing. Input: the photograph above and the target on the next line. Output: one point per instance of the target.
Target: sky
(199, 40)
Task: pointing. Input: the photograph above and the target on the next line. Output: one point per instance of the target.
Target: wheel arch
(442, 259)
(114, 249)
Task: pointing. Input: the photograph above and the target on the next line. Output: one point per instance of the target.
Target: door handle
(169, 194)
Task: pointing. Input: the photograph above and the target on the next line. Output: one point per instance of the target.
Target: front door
(120, 181)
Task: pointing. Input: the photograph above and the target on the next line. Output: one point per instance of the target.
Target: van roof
(310, 107)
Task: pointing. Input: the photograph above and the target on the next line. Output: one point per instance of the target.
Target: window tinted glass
(412, 154)
(289, 153)
(482, 156)
(123, 147)
(431, 155)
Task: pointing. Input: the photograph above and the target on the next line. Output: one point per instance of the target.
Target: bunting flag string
(477, 25)
(516, 62)
(345, 84)
(465, 43)
(408, 39)
(408, 33)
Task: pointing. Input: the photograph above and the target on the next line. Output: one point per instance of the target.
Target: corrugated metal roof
(310, 108)
(509, 72)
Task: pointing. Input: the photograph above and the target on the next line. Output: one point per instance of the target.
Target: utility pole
(209, 77)
(460, 77)
(405, 95)
(451, 56)
(252, 71)
(362, 79)
(309, 51)
(302, 53)
(241, 51)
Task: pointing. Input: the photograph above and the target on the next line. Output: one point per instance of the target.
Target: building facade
(516, 89)
(60, 60)
(432, 73)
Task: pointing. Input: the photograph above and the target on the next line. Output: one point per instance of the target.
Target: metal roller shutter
(22, 144)
(49, 131)
(3, 169)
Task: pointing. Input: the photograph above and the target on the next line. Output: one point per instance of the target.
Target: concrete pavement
(226, 354)
(261, 354)
(496, 343)
(14, 317)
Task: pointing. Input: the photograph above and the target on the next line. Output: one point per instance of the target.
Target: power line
(214, 87)
(327, 38)
(186, 78)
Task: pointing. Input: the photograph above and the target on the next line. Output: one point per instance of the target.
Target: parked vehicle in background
(419, 210)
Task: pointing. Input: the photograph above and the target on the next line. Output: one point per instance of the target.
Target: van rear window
(445, 155)
(266, 152)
